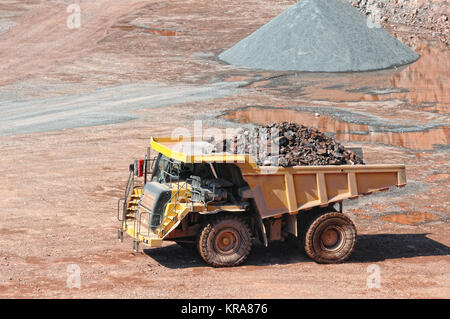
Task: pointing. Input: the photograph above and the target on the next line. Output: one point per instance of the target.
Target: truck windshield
(168, 170)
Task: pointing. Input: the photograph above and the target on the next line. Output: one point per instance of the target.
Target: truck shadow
(379, 247)
(369, 249)
(176, 257)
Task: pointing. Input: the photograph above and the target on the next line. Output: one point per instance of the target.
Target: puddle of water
(344, 132)
(427, 79)
(425, 140)
(423, 84)
(410, 218)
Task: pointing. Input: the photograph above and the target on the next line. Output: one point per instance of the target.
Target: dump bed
(280, 190)
(290, 189)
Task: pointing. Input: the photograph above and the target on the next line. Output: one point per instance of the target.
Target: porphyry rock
(289, 144)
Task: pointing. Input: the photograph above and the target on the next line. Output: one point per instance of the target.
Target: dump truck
(223, 203)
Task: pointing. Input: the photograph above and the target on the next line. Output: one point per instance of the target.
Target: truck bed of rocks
(290, 144)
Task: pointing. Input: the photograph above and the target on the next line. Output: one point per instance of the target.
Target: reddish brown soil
(59, 190)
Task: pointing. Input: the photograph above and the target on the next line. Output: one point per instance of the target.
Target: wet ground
(74, 115)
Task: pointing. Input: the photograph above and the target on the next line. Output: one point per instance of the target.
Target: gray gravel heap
(320, 36)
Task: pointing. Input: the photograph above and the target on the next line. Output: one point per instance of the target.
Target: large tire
(330, 238)
(225, 241)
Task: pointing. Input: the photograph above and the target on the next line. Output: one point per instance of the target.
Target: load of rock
(290, 144)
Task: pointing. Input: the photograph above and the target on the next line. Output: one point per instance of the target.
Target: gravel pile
(290, 144)
(320, 36)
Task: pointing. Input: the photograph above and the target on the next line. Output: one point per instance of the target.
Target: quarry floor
(78, 105)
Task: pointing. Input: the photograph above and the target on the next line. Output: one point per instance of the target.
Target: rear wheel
(225, 241)
(330, 238)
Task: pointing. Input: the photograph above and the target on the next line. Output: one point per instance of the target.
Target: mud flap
(291, 225)
(262, 230)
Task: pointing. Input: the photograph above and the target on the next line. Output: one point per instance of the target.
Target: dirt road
(61, 177)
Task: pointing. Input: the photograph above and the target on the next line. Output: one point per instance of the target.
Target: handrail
(118, 209)
(175, 197)
(129, 182)
(128, 189)
(138, 230)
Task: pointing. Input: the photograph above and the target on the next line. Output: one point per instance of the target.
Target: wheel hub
(331, 238)
(226, 241)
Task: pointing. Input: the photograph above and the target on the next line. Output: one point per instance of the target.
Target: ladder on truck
(128, 206)
(133, 211)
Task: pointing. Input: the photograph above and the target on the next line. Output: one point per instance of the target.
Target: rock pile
(290, 144)
(424, 14)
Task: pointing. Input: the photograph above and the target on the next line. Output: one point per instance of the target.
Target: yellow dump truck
(221, 202)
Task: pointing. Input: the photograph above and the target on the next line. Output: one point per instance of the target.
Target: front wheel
(330, 238)
(225, 241)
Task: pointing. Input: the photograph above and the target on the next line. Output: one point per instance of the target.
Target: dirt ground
(60, 183)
